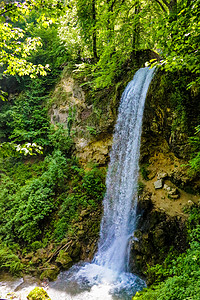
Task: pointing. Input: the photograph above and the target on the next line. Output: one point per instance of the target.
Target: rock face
(90, 125)
(157, 233)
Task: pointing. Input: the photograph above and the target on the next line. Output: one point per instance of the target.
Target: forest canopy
(101, 35)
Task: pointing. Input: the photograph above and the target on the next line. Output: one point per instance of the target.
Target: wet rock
(158, 184)
(157, 233)
(76, 251)
(50, 272)
(64, 259)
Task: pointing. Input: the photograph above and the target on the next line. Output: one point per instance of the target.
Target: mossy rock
(76, 251)
(50, 273)
(64, 259)
(38, 293)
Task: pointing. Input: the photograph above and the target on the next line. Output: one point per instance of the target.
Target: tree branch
(161, 5)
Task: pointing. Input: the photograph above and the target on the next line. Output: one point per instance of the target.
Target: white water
(107, 277)
(119, 219)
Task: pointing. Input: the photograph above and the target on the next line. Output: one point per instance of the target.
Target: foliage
(31, 194)
(144, 171)
(31, 205)
(87, 191)
(28, 120)
(15, 44)
(11, 149)
(178, 36)
(60, 138)
(182, 273)
(194, 141)
(9, 261)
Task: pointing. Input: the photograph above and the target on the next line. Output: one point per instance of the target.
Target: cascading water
(119, 219)
(107, 276)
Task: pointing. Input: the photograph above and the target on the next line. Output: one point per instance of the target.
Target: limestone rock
(161, 175)
(158, 184)
(173, 191)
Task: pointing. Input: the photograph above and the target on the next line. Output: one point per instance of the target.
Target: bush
(87, 191)
(24, 210)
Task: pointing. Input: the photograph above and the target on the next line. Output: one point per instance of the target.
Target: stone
(165, 187)
(158, 184)
(38, 293)
(173, 191)
(51, 272)
(162, 175)
(190, 203)
(64, 259)
(174, 197)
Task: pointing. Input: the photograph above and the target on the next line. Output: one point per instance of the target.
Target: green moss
(64, 259)
(50, 273)
(38, 294)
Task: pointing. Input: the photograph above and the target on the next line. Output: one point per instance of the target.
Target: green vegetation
(194, 162)
(43, 188)
(9, 261)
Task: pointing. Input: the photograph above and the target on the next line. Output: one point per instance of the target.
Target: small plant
(91, 130)
(141, 187)
(9, 261)
(144, 172)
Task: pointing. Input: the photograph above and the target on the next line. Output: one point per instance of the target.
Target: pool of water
(81, 282)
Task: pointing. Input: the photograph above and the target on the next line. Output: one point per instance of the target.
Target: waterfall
(107, 277)
(120, 201)
(109, 268)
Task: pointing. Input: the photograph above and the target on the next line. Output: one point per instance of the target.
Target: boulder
(64, 259)
(38, 294)
(158, 184)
